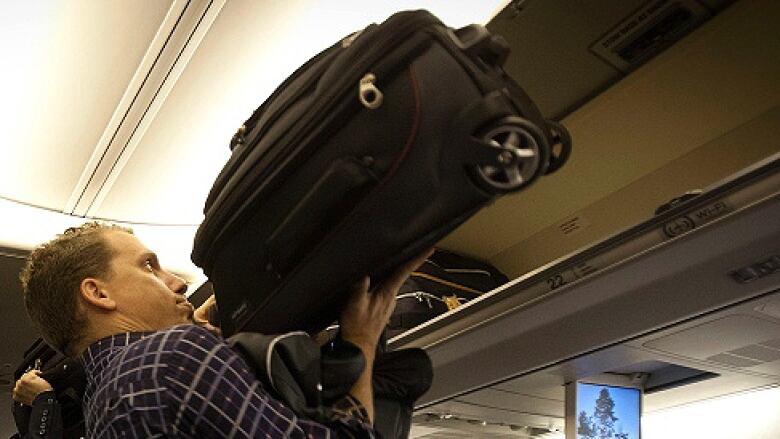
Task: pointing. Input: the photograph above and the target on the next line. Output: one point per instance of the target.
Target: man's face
(147, 297)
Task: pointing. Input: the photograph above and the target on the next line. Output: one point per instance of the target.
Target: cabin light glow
(753, 415)
(25, 227)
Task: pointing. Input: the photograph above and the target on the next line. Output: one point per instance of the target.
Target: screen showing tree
(607, 412)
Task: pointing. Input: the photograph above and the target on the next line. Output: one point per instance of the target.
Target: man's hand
(365, 317)
(201, 316)
(369, 308)
(29, 386)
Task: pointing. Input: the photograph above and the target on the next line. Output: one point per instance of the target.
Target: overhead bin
(700, 255)
(700, 111)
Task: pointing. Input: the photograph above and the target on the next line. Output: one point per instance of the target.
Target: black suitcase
(365, 156)
(442, 283)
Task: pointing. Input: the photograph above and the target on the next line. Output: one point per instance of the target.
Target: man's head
(97, 280)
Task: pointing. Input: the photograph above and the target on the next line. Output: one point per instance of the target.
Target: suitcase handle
(478, 42)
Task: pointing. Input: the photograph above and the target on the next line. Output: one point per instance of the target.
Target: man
(98, 292)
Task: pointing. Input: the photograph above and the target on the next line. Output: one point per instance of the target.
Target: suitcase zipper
(451, 302)
(325, 103)
(257, 115)
(346, 42)
(368, 94)
(375, 50)
(398, 35)
(331, 51)
(419, 296)
(238, 142)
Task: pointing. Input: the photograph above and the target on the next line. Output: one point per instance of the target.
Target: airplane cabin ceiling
(66, 67)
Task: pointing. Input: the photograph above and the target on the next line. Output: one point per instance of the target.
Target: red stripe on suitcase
(412, 134)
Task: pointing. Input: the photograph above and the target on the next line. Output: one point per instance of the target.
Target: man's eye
(148, 265)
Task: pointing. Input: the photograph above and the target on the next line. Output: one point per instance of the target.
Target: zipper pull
(452, 302)
(370, 96)
(346, 42)
(238, 138)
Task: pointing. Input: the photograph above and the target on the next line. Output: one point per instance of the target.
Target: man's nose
(175, 283)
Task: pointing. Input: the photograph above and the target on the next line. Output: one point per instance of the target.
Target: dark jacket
(54, 414)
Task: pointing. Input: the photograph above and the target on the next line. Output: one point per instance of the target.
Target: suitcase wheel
(523, 149)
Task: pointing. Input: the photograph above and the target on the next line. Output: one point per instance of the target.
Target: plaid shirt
(185, 382)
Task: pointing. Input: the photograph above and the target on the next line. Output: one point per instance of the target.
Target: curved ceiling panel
(66, 66)
(186, 142)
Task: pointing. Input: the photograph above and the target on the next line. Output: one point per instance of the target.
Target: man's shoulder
(186, 331)
(144, 359)
(175, 338)
(164, 353)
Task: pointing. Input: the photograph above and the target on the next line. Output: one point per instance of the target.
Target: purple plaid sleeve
(185, 382)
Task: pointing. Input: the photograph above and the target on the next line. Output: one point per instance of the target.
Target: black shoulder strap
(291, 367)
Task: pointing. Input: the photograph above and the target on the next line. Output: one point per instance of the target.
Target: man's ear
(93, 292)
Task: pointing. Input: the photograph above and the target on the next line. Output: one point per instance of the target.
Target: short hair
(51, 280)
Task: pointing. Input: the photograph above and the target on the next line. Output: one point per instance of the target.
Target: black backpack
(66, 376)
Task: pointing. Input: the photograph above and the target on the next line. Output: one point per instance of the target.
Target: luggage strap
(446, 282)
